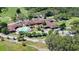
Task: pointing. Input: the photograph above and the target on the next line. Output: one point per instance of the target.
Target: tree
(44, 34)
(30, 16)
(3, 24)
(62, 26)
(18, 11)
(5, 30)
(60, 13)
(28, 34)
(2, 8)
(39, 28)
(34, 34)
(21, 39)
(21, 33)
(66, 43)
(49, 13)
(50, 31)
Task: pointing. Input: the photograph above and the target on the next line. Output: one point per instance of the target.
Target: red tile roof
(12, 26)
(34, 21)
(50, 24)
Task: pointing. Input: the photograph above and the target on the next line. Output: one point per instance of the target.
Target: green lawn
(72, 20)
(51, 17)
(10, 12)
(24, 12)
(68, 21)
(37, 44)
(6, 15)
(5, 19)
(9, 46)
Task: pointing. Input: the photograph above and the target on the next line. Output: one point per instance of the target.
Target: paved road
(34, 39)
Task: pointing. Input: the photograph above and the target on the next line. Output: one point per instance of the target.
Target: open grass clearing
(9, 46)
(10, 12)
(37, 44)
(5, 19)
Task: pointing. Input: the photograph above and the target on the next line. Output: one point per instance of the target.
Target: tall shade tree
(56, 42)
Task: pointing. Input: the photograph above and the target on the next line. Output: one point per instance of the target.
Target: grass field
(24, 12)
(51, 17)
(31, 46)
(10, 12)
(73, 19)
(5, 19)
(37, 44)
(9, 46)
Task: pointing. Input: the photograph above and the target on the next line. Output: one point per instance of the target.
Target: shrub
(44, 34)
(62, 26)
(39, 34)
(39, 28)
(50, 31)
(33, 34)
(23, 44)
(21, 33)
(28, 34)
(36, 34)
